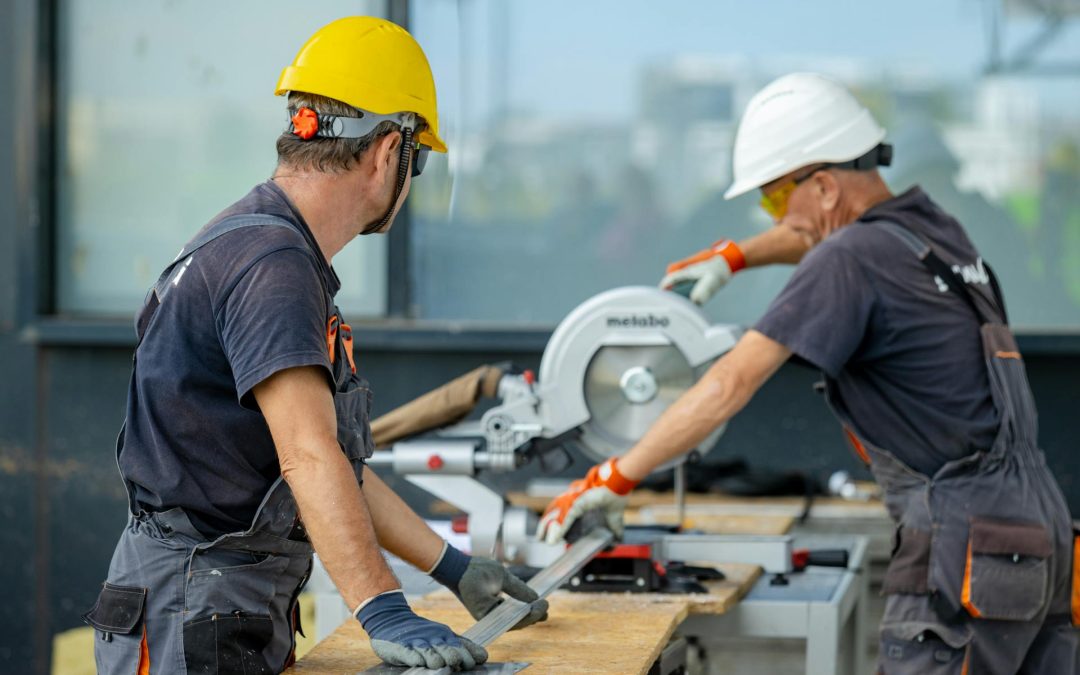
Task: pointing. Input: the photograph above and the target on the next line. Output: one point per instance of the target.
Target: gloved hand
(602, 488)
(401, 638)
(707, 270)
(479, 582)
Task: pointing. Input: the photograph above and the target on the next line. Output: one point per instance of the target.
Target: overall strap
(171, 275)
(925, 253)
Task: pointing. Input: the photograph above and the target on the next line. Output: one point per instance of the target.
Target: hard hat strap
(403, 173)
(336, 126)
(880, 155)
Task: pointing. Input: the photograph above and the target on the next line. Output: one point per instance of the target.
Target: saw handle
(683, 288)
(822, 557)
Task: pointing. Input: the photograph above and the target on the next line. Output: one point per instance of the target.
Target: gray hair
(327, 155)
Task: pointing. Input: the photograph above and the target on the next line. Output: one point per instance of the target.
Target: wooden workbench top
(585, 632)
(719, 504)
(714, 523)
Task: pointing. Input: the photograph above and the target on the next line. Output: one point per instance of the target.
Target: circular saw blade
(626, 389)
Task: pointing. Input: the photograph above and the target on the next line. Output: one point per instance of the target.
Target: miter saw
(611, 367)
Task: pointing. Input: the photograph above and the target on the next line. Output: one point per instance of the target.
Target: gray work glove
(480, 582)
(401, 638)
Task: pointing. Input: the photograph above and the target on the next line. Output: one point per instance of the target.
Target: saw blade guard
(618, 360)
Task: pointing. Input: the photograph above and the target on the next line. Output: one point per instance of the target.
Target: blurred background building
(590, 144)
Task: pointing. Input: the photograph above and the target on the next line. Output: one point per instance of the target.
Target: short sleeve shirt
(250, 303)
(904, 351)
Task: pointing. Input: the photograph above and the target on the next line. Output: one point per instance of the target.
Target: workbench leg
(823, 639)
(860, 617)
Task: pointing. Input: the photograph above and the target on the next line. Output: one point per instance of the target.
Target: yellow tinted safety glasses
(775, 202)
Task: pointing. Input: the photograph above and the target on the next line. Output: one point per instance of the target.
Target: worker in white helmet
(894, 305)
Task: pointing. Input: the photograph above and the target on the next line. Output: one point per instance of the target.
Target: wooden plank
(723, 595)
(720, 504)
(714, 524)
(636, 499)
(628, 644)
(625, 632)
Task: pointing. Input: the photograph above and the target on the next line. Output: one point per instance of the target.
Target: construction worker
(247, 422)
(904, 319)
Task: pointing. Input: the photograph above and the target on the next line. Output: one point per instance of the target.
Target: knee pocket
(924, 649)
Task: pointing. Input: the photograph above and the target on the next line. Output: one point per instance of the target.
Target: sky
(569, 59)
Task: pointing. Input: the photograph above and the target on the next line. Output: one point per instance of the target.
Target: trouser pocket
(236, 612)
(1006, 573)
(223, 644)
(117, 618)
(223, 581)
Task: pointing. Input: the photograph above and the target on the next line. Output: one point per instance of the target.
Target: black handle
(828, 557)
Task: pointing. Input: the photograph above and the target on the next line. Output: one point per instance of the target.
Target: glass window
(166, 115)
(590, 142)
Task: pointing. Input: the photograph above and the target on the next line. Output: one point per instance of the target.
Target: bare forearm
(339, 524)
(717, 397)
(777, 245)
(399, 529)
(683, 426)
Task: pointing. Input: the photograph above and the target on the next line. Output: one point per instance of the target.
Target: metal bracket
(772, 553)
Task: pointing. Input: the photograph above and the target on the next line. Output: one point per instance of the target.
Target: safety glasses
(775, 202)
(419, 159)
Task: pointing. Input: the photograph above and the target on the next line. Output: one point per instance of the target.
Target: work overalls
(981, 570)
(175, 602)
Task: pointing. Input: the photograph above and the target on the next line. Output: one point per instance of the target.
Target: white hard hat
(795, 121)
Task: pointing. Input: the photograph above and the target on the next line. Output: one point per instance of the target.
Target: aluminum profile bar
(510, 611)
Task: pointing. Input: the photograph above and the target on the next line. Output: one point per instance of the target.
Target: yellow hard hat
(371, 64)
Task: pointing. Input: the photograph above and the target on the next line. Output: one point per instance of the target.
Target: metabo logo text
(638, 321)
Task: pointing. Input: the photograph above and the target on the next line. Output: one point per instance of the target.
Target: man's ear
(828, 188)
(386, 152)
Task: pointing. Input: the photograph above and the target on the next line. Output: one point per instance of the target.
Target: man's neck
(866, 201)
(858, 202)
(318, 198)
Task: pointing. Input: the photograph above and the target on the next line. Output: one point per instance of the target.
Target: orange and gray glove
(602, 488)
(705, 272)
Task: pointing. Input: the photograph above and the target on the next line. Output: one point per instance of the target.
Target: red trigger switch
(435, 463)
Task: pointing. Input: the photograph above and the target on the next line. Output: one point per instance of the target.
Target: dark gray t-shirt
(252, 302)
(904, 351)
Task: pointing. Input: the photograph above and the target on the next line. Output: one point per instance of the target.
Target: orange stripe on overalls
(857, 445)
(331, 337)
(144, 655)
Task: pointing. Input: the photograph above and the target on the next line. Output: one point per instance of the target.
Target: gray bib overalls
(175, 602)
(980, 578)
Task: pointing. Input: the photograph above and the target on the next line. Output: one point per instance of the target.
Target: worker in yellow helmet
(247, 421)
